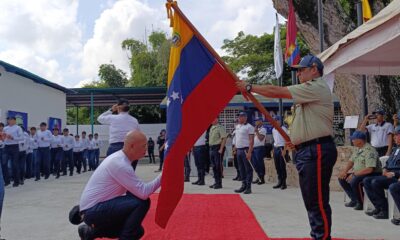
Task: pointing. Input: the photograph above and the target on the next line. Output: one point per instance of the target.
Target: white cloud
(125, 19)
(40, 36)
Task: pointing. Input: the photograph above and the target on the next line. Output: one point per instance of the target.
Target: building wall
(24, 95)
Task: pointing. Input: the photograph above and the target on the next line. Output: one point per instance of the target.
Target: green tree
(111, 76)
(252, 57)
(149, 66)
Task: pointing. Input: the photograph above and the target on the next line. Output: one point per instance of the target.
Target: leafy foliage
(252, 57)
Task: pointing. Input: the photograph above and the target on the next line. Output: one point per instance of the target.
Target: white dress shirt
(15, 132)
(257, 141)
(242, 133)
(33, 143)
(279, 141)
(120, 125)
(23, 145)
(113, 178)
(78, 146)
(96, 143)
(67, 142)
(91, 144)
(44, 138)
(56, 142)
(85, 143)
(202, 140)
(379, 134)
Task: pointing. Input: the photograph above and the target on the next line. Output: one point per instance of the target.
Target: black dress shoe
(86, 232)
(37, 179)
(256, 181)
(187, 179)
(395, 221)
(196, 183)
(15, 184)
(212, 186)
(372, 212)
(278, 185)
(201, 183)
(236, 178)
(350, 204)
(381, 215)
(284, 186)
(358, 207)
(261, 182)
(241, 189)
(218, 186)
(247, 191)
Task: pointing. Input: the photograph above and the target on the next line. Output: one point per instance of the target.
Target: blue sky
(65, 41)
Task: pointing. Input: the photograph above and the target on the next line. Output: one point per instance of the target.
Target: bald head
(135, 145)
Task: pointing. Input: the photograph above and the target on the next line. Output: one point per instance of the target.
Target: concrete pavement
(39, 210)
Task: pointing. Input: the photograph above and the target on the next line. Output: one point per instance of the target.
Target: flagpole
(248, 95)
(364, 100)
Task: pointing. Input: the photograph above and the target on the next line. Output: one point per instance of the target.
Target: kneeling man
(115, 201)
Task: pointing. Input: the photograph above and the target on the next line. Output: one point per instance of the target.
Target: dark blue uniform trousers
(12, 154)
(394, 189)
(245, 169)
(315, 162)
(216, 162)
(280, 164)
(375, 189)
(43, 159)
(120, 217)
(257, 159)
(200, 156)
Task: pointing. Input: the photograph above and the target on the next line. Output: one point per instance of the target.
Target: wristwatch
(248, 87)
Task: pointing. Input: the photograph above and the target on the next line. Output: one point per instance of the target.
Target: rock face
(381, 91)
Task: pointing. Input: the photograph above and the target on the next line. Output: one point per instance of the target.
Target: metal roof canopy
(81, 97)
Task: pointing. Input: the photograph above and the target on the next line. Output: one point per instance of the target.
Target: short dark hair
(43, 124)
(83, 132)
(90, 135)
(96, 134)
(33, 128)
(77, 135)
(1, 124)
(56, 129)
(65, 130)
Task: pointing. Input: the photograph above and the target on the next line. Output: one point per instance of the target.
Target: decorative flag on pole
(367, 13)
(198, 90)
(278, 59)
(292, 55)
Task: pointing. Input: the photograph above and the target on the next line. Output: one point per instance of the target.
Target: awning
(371, 49)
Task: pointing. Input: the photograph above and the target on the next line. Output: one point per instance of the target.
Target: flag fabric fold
(198, 90)
(292, 54)
(367, 13)
(278, 59)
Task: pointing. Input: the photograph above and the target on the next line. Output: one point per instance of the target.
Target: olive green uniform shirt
(313, 116)
(217, 133)
(365, 157)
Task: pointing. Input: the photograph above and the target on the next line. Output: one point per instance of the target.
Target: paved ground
(39, 210)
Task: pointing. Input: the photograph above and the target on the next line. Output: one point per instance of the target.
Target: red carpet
(207, 217)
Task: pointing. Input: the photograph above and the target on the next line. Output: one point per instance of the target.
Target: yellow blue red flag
(198, 90)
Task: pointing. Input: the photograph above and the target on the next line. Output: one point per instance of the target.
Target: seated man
(374, 186)
(363, 162)
(115, 201)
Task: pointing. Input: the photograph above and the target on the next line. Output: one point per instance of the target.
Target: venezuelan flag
(198, 90)
(292, 54)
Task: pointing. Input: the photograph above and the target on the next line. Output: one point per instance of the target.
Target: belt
(243, 148)
(117, 143)
(215, 147)
(325, 139)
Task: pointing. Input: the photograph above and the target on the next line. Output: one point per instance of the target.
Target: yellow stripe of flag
(367, 14)
(181, 35)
